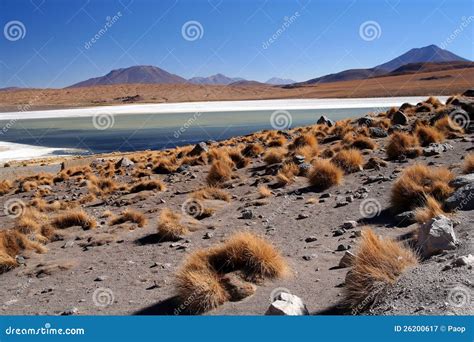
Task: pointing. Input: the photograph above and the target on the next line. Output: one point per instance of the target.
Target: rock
(461, 199)
(405, 219)
(198, 149)
(365, 121)
(331, 138)
(339, 232)
(377, 132)
(100, 278)
(405, 106)
(236, 287)
(124, 162)
(304, 168)
(396, 128)
(247, 214)
(273, 169)
(436, 236)
(341, 248)
(20, 260)
(298, 159)
(311, 239)
(286, 304)
(399, 118)
(468, 93)
(70, 312)
(350, 198)
(464, 261)
(346, 260)
(302, 216)
(436, 148)
(324, 120)
(341, 203)
(308, 257)
(208, 235)
(349, 225)
(68, 244)
(183, 168)
(462, 180)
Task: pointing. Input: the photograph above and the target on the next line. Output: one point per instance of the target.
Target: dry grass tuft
(12, 243)
(238, 159)
(5, 187)
(170, 226)
(416, 183)
(363, 143)
(403, 144)
(378, 263)
(252, 150)
(448, 127)
(220, 172)
(428, 135)
(432, 208)
(74, 218)
(468, 166)
(264, 191)
(349, 160)
(200, 282)
(325, 174)
(211, 193)
(274, 155)
(154, 184)
(130, 215)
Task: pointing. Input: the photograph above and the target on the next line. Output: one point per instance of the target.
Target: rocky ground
(124, 269)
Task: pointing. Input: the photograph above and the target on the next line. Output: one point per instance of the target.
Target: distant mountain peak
(217, 79)
(279, 81)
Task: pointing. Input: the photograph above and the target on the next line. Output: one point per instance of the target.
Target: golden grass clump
(349, 160)
(287, 174)
(211, 193)
(220, 172)
(274, 155)
(170, 226)
(417, 182)
(405, 144)
(304, 140)
(130, 215)
(153, 184)
(448, 127)
(74, 218)
(468, 166)
(362, 143)
(378, 263)
(252, 150)
(12, 243)
(428, 135)
(264, 191)
(238, 159)
(325, 174)
(431, 208)
(200, 283)
(5, 187)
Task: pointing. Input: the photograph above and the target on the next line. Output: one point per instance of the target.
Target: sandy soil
(403, 85)
(138, 270)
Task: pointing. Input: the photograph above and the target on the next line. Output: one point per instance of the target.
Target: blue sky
(320, 36)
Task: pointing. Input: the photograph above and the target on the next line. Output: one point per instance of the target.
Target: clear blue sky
(323, 38)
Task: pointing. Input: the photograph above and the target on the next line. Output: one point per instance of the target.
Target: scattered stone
(302, 216)
(349, 225)
(324, 120)
(462, 180)
(247, 214)
(198, 149)
(325, 195)
(468, 93)
(377, 132)
(311, 239)
(20, 260)
(124, 162)
(405, 219)
(298, 159)
(286, 304)
(68, 244)
(100, 278)
(436, 236)
(341, 248)
(304, 168)
(346, 260)
(339, 232)
(465, 260)
(399, 118)
(436, 148)
(461, 199)
(396, 128)
(208, 235)
(365, 121)
(341, 203)
(350, 198)
(308, 257)
(70, 312)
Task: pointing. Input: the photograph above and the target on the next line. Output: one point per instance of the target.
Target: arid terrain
(365, 216)
(445, 82)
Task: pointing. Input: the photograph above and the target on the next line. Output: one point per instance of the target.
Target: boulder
(461, 199)
(286, 304)
(436, 148)
(324, 120)
(124, 162)
(399, 118)
(346, 260)
(365, 121)
(405, 106)
(397, 128)
(468, 93)
(462, 180)
(377, 132)
(198, 149)
(435, 236)
(298, 159)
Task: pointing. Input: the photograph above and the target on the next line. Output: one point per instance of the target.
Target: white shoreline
(13, 151)
(217, 106)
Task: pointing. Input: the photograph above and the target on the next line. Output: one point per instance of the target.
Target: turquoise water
(134, 132)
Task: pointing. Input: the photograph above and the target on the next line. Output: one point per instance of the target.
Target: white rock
(286, 304)
(465, 260)
(436, 235)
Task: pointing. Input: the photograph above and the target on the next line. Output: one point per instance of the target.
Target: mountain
(427, 54)
(429, 67)
(135, 74)
(279, 81)
(215, 79)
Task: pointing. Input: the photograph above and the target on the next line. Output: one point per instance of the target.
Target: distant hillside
(135, 74)
(427, 54)
(429, 67)
(215, 79)
(279, 81)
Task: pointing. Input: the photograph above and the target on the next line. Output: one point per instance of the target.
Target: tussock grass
(428, 135)
(211, 193)
(448, 127)
(349, 160)
(199, 280)
(468, 166)
(325, 174)
(12, 243)
(403, 144)
(5, 187)
(220, 172)
(431, 208)
(74, 218)
(417, 182)
(252, 150)
(363, 143)
(264, 191)
(378, 263)
(130, 215)
(154, 184)
(170, 226)
(275, 155)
